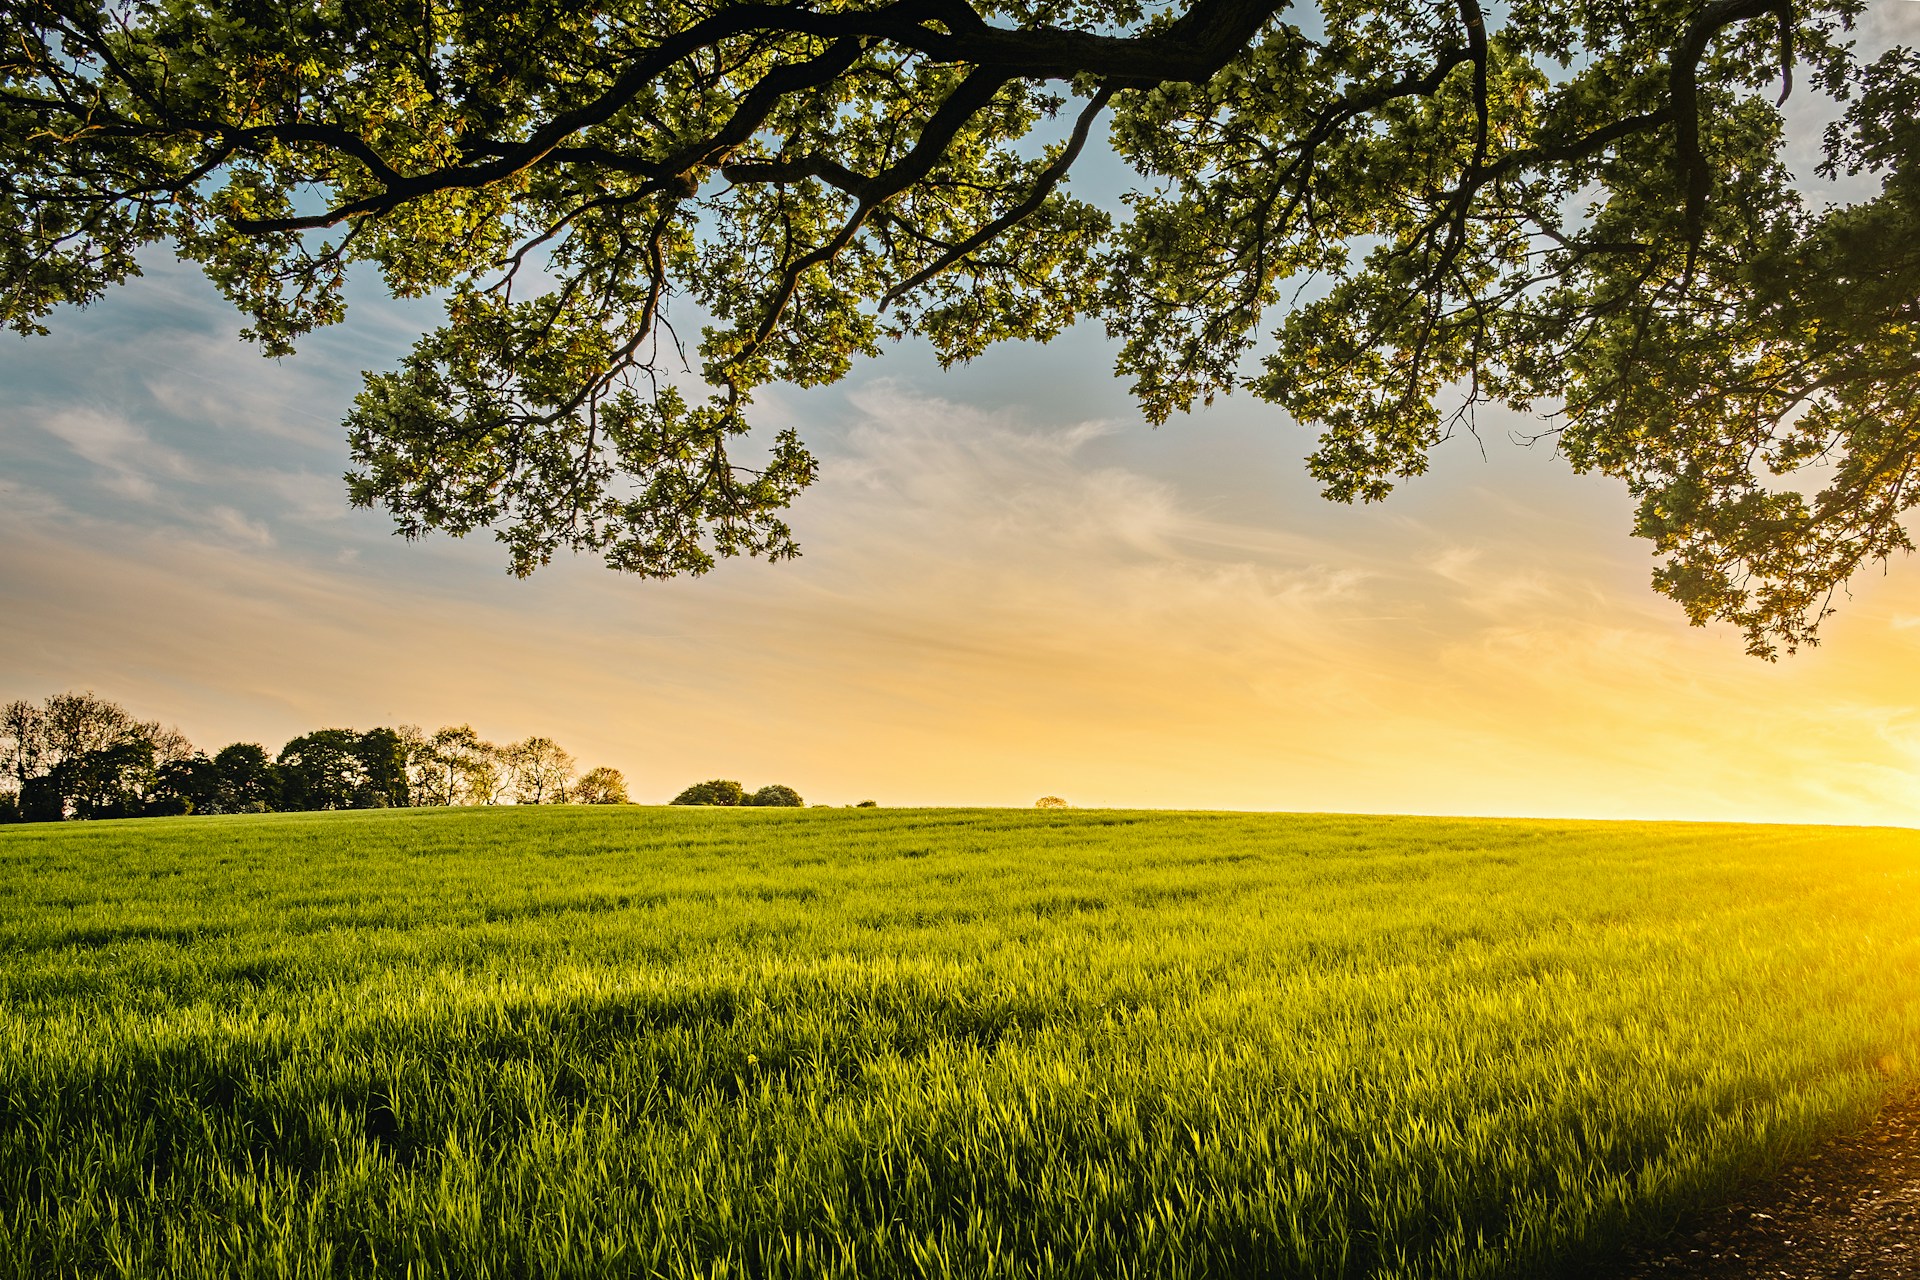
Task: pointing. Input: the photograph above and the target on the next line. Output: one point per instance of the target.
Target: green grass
(579, 1042)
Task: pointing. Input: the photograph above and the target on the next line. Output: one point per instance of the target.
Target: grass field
(638, 1042)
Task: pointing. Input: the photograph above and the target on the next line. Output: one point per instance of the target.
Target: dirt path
(1851, 1210)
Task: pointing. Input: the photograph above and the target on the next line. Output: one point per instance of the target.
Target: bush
(1051, 802)
(866, 804)
(776, 796)
(718, 791)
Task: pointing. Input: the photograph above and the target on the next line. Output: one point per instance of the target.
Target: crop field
(965, 1043)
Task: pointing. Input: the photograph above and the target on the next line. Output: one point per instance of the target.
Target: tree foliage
(717, 791)
(79, 756)
(382, 754)
(324, 770)
(776, 795)
(249, 783)
(1583, 207)
(108, 782)
(189, 785)
(539, 770)
(454, 765)
(600, 785)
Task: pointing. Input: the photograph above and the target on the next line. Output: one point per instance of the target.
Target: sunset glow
(1011, 587)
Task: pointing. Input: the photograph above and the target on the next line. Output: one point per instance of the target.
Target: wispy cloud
(125, 458)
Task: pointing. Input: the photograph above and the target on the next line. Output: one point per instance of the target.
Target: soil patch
(1851, 1210)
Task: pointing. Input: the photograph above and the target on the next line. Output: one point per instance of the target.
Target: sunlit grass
(578, 1042)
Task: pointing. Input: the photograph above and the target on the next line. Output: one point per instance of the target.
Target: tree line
(78, 756)
(724, 791)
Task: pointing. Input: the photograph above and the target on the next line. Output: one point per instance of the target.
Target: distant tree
(451, 766)
(41, 801)
(170, 746)
(110, 782)
(717, 791)
(76, 723)
(510, 764)
(867, 804)
(249, 780)
(191, 785)
(432, 774)
(322, 770)
(422, 767)
(538, 771)
(461, 767)
(383, 766)
(77, 754)
(23, 742)
(600, 785)
(1051, 802)
(489, 782)
(776, 796)
(36, 740)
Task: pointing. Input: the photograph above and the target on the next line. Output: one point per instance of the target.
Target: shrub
(776, 796)
(718, 791)
(866, 804)
(1051, 802)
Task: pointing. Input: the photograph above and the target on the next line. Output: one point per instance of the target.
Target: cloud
(239, 527)
(126, 458)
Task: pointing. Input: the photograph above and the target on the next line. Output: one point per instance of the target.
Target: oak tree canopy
(1375, 215)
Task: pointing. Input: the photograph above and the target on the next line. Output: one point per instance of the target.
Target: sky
(1011, 587)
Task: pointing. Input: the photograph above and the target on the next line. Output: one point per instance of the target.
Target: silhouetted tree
(249, 780)
(41, 801)
(35, 740)
(77, 754)
(774, 795)
(111, 782)
(322, 770)
(76, 723)
(23, 742)
(170, 746)
(383, 770)
(191, 785)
